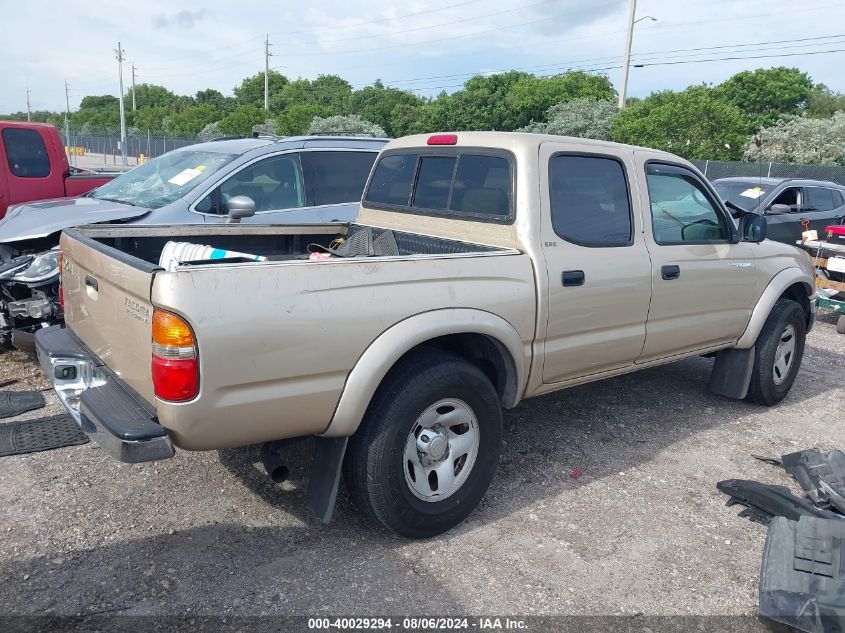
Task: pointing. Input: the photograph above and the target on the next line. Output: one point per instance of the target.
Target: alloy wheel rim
(784, 355)
(441, 450)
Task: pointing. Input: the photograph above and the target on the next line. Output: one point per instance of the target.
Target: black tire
(764, 389)
(374, 468)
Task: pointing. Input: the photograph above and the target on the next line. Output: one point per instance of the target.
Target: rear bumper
(105, 408)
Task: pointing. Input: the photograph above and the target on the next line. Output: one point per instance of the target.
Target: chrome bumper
(105, 408)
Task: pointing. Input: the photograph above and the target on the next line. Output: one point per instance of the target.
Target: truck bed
(276, 243)
(276, 339)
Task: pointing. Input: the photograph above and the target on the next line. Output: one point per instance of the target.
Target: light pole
(626, 65)
(119, 54)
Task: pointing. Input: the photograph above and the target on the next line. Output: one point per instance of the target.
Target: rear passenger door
(599, 272)
(703, 278)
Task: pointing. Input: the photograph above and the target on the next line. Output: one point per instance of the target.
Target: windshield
(746, 195)
(162, 180)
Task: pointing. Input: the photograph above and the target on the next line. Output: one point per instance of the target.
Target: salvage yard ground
(643, 530)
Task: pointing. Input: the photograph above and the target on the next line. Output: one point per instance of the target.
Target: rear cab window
(590, 203)
(461, 183)
(26, 153)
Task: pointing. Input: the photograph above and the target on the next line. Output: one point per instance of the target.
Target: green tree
(345, 125)
(694, 123)
(296, 119)
(392, 109)
(251, 90)
(151, 96)
(766, 94)
(822, 102)
(330, 92)
(100, 102)
(191, 120)
(240, 121)
(216, 100)
(580, 117)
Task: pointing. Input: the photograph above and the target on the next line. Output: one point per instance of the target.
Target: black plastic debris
(802, 580)
(764, 501)
(820, 475)
(40, 434)
(14, 403)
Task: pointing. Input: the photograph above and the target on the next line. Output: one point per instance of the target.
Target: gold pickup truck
(483, 268)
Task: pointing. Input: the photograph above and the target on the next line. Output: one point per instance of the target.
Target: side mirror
(777, 209)
(240, 207)
(753, 228)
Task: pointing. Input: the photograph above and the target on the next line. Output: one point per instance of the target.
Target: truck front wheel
(428, 446)
(778, 353)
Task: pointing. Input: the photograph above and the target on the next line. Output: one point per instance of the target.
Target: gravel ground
(642, 531)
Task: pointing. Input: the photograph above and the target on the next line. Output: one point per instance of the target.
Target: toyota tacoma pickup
(483, 268)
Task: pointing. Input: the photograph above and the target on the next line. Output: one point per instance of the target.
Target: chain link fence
(108, 145)
(714, 169)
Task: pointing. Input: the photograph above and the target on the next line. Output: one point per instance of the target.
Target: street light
(627, 64)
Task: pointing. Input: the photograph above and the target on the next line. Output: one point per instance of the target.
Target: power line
(568, 64)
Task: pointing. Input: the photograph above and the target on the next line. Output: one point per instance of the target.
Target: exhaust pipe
(275, 466)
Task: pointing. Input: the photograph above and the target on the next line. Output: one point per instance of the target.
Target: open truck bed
(309, 321)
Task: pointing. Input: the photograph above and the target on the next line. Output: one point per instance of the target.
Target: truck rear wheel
(779, 350)
(428, 446)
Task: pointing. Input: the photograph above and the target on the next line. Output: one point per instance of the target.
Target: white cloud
(193, 45)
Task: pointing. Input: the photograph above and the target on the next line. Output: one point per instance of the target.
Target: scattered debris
(576, 473)
(14, 403)
(764, 501)
(40, 434)
(802, 580)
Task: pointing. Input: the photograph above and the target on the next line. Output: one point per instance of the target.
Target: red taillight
(443, 139)
(175, 380)
(175, 370)
(61, 296)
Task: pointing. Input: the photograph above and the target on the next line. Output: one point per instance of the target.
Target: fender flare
(777, 286)
(383, 353)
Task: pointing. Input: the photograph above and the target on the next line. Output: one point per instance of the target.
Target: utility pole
(133, 86)
(67, 117)
(28, 106)
(626, 65)
(267, 55)
(119, 55)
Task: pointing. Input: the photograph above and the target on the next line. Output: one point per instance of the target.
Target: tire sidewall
(476, 391)
(793, 315)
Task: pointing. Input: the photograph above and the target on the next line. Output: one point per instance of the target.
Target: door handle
(669, 272)
(572, 278)
(91, 283)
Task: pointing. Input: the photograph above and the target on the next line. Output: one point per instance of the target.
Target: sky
(421, 46)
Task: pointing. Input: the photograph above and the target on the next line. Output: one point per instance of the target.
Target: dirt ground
(644, 530)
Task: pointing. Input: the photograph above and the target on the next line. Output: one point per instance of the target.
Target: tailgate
(107, 305)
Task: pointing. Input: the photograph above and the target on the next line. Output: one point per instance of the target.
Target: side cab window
(682, 209)
(273, 183)
(26, 153)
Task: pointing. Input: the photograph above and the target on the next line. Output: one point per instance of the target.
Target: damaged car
(294, 180)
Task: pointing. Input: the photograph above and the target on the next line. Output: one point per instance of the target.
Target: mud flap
(802, 580)
(324, 481)
(731, 373)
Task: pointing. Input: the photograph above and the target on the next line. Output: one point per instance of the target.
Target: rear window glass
(26, 153)
(482, 185)
(589, 201)
(434, 181)
(337, 177)
(463, 184)
(820, 199)
(391, 182)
